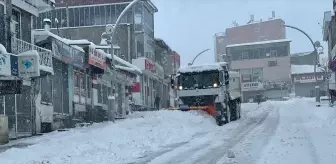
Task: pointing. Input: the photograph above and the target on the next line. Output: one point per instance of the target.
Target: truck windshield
(198, 80)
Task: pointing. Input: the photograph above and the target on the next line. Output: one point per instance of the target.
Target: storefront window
(105, 91)
(89, 86)
(46, 90)
(99, 93)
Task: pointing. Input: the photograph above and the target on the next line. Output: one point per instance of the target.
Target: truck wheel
(238, 109)
(227, 115)
(219, 121)
(234, 110)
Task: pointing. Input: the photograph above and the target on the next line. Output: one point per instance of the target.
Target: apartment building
(264, 67)
(15, 35)
(253, 31)
(133, 42)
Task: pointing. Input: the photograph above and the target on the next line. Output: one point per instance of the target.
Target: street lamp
(109, 33)
(192, 62)
(315, 45)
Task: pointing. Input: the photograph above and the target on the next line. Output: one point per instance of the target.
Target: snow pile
(258, 43)
(121, 142)
(301, 69)
(201, 68)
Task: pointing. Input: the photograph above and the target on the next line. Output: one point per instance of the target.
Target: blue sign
(14, 65)
(27, 64)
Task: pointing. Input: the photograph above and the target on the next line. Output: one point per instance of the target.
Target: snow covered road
(274, 132)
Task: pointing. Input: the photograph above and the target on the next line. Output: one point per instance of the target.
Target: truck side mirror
(226, 77)
(172, 83)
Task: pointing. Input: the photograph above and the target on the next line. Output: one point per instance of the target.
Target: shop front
(122, 88)
(68, 61)
(97, 87)
(150, 83)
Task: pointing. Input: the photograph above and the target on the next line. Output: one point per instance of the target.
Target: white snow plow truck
(212, 88)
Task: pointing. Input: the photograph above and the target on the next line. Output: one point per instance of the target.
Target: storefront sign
(252, 86)
(10, 87)
(5, 64)
(66, 54)
(97, 58)
(149, 66)
(28, 65)
(62, 51)
(307, 78)
(276, 84)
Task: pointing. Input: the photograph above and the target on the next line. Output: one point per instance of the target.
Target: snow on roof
(46, 20)
(126, 68)
(138, 70)
(256, 43)
(302, 69)
(3, 49)
(201, 68)
(301, 53)
(107, 46)
(64, 40)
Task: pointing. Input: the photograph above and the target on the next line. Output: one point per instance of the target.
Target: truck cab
(210, 87)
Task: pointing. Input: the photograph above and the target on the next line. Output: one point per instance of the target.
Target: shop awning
(121, 61)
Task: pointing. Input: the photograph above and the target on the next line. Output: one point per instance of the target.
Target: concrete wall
(281, 72)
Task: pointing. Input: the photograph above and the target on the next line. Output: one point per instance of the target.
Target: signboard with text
(97, 58)
(252, 86)
(307, 78)
(28, 66)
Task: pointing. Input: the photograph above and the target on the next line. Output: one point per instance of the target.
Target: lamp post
(315, 45)
(109, 33)
(192, 62)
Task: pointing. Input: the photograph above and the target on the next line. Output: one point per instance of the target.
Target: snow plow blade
(211, 109)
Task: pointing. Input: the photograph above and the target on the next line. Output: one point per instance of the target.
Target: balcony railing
(19, 46)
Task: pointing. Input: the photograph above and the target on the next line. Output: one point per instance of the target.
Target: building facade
(304, 82)
(264, 67)
(15, 36)
(303, 58)
(134, 36)
(253, 31)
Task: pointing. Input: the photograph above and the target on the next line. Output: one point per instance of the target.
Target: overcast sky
(188, 26)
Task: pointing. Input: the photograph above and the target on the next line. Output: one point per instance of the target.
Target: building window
(16, 23)
(273, 53)
(71, 17)
(102, 14)
(99, 93)
(82, 16)
(257, 75)
(46, 90)
(77, 16)
(97, 17)
(245, 55)
(64, 18)
(272, 63)
(108, 15)
(87, 20)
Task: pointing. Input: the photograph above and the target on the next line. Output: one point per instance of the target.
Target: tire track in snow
(245, 126)
(252, 147)
(219, 152)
